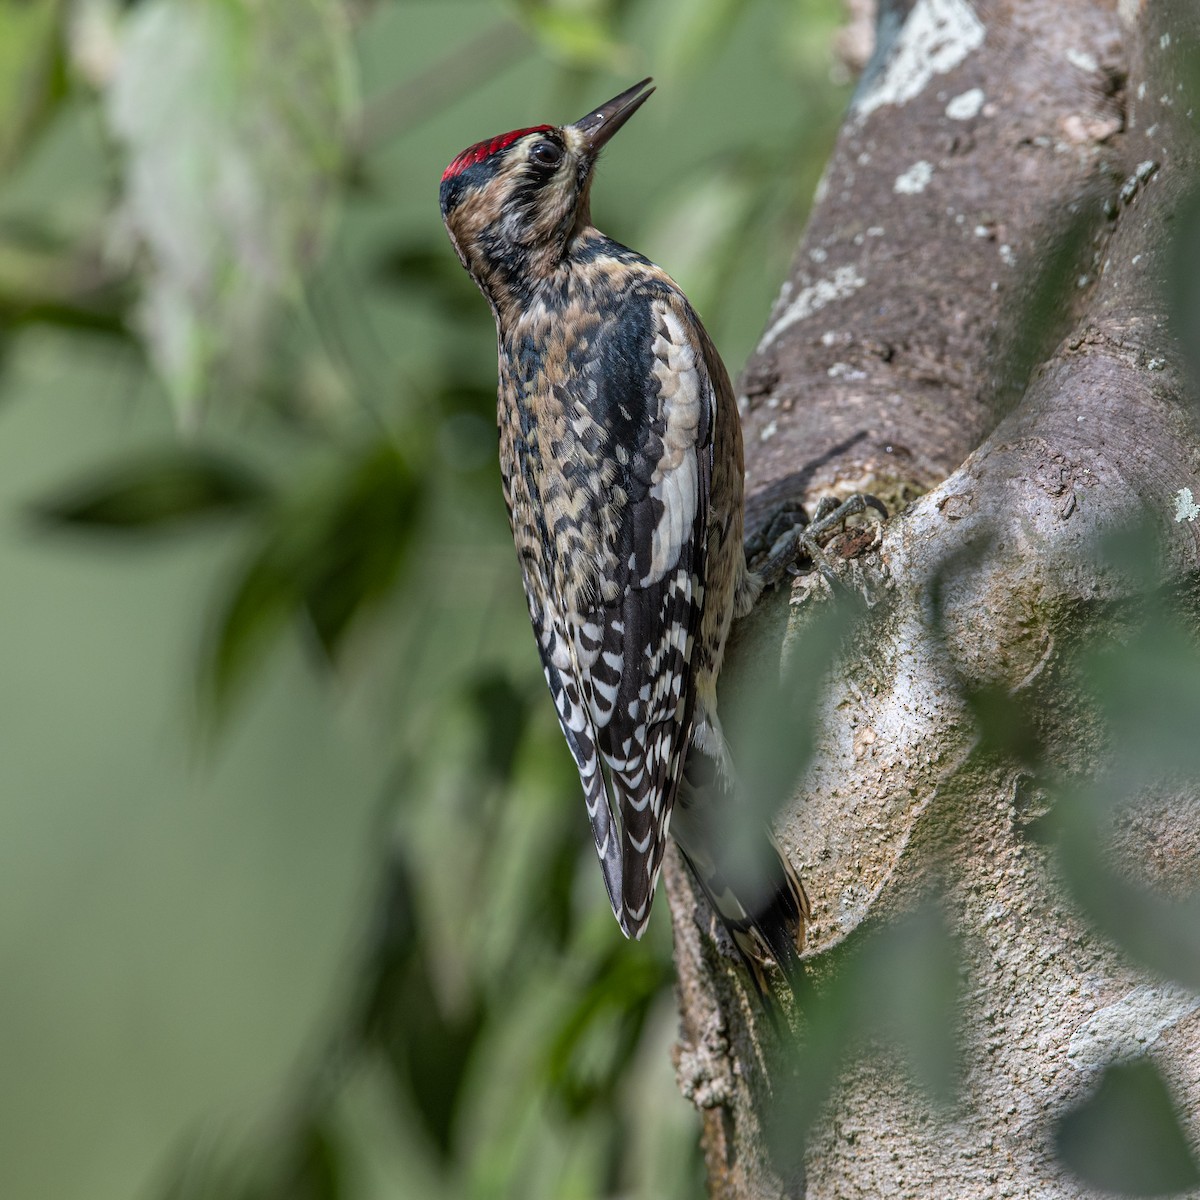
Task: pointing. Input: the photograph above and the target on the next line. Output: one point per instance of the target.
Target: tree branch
(917, 345)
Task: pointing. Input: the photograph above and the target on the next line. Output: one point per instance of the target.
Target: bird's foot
(784, 520)
(801, 541)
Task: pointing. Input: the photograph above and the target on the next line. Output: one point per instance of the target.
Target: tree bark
(916, 352)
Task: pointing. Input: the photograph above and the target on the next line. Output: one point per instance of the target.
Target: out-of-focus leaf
(699, 29)
(1126, 1137)
(909, 986)
(390, 945)
(158, 491)
(312, 1168)
(31, 77)
(1148, 691)
(808, 658)
(233, 117)
(207, 1172)
(772, 732)
(702, 231)
(328, 558)
(550, 894)
(588, 1053)
(400, 1012)
(430, 1052)
(1005, 725)
(45, 282)
(259, 604)
(1163, 934)
(305, 1162)
(362, 545)
(502, 714)
(577, 36)
(437, 274)
(1048, 306)
(427, 1049)
(829, 1040)
(894, 988)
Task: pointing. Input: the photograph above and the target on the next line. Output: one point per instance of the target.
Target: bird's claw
(805, 541)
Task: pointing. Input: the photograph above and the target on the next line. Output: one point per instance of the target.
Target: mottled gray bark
(981, 134)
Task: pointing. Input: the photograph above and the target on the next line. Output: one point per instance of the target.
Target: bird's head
(513, 204)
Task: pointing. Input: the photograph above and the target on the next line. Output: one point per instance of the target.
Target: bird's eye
(545, 154)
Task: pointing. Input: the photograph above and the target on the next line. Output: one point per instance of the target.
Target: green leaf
(1126, 1138)
(590, 1050)
(1044, 313)
(328, 558)
(157, 491)
(430, 1053)
(1148, 690)
(234, 119)
(30, 71)
(578, 38)
(772, 731)
(1006, 725)
(699, 31)
(1161, 933)
(893, 989)
(501, 712)
(304, 1160)
(360, 548)
(209, 1173)
(427, 1047)
(262, 599)
(46, 280)
(313, 1166)
(909, 988)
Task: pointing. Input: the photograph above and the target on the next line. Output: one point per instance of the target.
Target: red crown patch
(481, 150)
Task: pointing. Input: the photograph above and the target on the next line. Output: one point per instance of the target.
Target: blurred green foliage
(299, 893)
(1125, 1136)
(296, 894)
(231, 122)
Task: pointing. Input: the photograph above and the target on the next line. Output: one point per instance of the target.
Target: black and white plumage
(615, 567)
(621, 456)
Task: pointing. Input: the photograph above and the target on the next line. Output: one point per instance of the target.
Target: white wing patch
(682, 389)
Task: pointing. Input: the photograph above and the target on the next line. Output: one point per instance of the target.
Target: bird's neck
(526, 278)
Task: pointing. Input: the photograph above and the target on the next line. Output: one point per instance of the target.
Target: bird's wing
(536, 554)
(562, 676)
(632, 650)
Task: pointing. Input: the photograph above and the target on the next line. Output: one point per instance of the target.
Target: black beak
(598, 126)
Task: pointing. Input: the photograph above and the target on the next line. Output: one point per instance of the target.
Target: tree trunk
(919, 349)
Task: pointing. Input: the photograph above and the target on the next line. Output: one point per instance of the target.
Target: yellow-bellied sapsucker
(621, 453)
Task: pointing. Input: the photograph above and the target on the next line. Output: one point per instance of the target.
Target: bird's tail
(744, 873)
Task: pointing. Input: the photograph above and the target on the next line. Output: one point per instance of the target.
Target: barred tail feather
(767, 918)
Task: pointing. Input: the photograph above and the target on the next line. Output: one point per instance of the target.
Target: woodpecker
(621, 457)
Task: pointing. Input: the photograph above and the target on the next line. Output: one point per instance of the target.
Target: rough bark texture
(979, 136)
